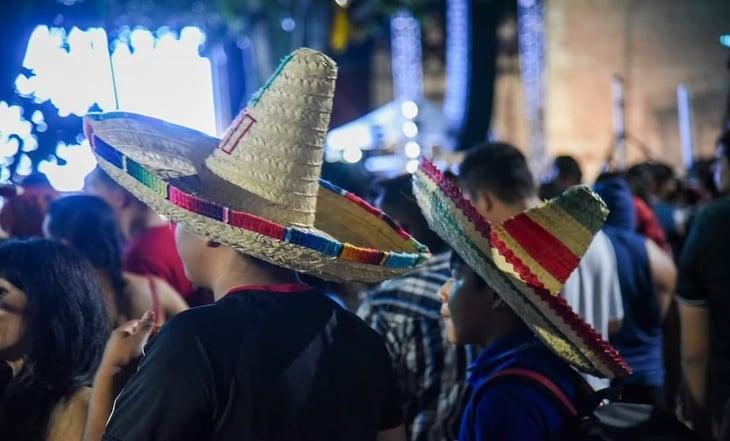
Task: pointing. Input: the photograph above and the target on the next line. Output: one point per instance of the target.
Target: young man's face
(466, 306)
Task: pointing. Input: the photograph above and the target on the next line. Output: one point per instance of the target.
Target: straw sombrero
(258, 190)
(526, 260)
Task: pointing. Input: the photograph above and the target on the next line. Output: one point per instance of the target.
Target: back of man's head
(395, 197)
(568, 170)
(99, 183)
(500, 169)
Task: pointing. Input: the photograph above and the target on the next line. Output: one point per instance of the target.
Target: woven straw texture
(275, 209)
(552, 320)
(276, 144)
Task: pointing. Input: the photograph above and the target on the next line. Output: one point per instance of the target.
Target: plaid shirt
(430, 370)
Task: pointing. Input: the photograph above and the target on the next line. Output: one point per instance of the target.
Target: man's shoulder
(349, 323)
(600, 250)
(414, 293)
(198, 321)
(715, 215)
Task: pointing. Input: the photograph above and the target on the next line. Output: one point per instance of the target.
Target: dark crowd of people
(202, 289)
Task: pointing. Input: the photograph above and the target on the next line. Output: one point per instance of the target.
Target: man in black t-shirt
(273, 359)
(703, 294)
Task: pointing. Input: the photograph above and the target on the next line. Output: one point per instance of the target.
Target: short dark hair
(640, 178)
(91, 227)
(22, 216)
(568, 169)
(500, 169)
(395, 197)
(66, 329)
(662, 173)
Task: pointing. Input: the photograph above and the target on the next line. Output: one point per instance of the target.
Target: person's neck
(511, 210)
(142, 221)
(231, 279)
(502, 328)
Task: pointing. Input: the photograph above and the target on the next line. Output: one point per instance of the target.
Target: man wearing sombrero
(272, 359)
(503, 295)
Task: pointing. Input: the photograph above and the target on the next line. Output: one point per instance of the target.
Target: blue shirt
(640, 338)
(515, 408)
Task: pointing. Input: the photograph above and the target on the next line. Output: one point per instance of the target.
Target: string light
(458, 48)
(406, 57)
(532, 65)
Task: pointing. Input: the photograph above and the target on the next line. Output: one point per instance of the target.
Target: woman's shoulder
(145, 291)
(69, 416)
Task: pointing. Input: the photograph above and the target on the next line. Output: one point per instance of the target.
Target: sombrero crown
(258, 189)
(526, 260)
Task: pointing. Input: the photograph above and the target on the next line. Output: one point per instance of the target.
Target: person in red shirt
(150, 247)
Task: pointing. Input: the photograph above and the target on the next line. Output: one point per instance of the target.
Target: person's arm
(615, 300)
(120, 359)
(170, 395)
(694, 341)
(664, 275)
(67, 423)
(171, 301)
(692, 296)
(395, 434)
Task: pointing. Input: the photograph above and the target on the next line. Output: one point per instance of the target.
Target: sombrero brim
(454, 219)
(163, 165)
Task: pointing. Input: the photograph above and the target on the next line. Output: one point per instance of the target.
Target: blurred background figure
(647, 277)
(53, 328)
(564, 173)
(704, 307)
(26, 205)
(149, 247)
(88, 224)
(406, 312)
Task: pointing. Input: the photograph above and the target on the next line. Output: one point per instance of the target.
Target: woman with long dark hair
(53, 328)
(88, 224)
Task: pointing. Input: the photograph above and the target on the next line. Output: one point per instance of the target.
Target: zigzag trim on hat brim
(549, 316)
(302, 250)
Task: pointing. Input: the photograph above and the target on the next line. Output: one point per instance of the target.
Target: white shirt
(594, 293)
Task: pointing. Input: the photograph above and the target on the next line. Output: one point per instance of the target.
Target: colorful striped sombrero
(526, 260)
(258, 190)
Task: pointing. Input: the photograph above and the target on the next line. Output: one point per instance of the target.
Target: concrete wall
(654, 45)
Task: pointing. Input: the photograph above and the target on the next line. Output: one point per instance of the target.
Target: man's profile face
(466, 306)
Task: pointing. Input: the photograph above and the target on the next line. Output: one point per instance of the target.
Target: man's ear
(483, 202)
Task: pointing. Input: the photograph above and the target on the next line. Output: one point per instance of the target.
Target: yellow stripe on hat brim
(574, 235)
(548, 280)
